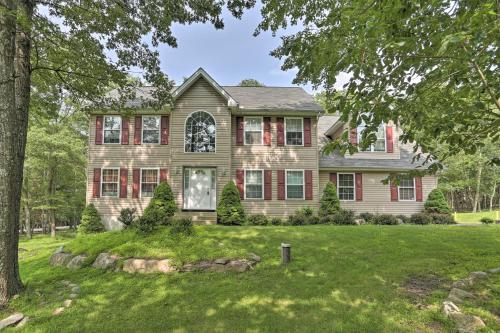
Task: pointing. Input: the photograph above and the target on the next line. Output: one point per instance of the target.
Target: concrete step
(199, 218)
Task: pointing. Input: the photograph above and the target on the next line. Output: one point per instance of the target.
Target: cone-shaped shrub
(91, 221)
(230, 210)
(329, 203)
(436, 203)
(162, 206)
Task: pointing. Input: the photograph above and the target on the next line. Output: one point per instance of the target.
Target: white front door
(199, 188)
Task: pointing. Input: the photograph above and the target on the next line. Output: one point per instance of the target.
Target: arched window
(200, 133)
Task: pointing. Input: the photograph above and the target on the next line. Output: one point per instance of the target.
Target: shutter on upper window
(394, 191)
(240, 175)
(359, 186)
(333, 178)
(98, 130)
(418, 189)
(239, 131)
(125, 130)
(309, 184)
(268, 185)
(123, 182)
(267, 131)
(389, 139)
(280, 128)
(137, 130)
(353, 136)
(164, 130)
(307, 132)
(281, 184)
(163, 175)
(96, 186)
(136, 180)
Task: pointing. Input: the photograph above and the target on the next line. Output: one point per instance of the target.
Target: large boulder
(146, 266)
(60, 259)
(458, 295)
(77, 262)
(11, 320)
(467, 323)
(478, 276)
(105, 261)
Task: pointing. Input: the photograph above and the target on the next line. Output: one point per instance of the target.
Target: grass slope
(476, 217)
(342, 279)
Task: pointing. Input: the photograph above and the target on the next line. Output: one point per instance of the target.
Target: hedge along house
(265, 139)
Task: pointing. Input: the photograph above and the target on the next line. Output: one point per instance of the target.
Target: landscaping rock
(494, 270)
(463, 284)
(77, 262)
(73, 296)
(67, 303)
(105, 261)
(23, 322)
(478, 276)
(75, 290)
(148, 266)
(239, 265)
(66, 283)
(449, 308)
(60, 259)
(467, 323)
(253, 257)
(221, 261)
(11, 320)
(58, 311)
(458, 295)
(359, 221)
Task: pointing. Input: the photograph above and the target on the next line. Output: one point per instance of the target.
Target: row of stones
(109, 261)
(465, 323)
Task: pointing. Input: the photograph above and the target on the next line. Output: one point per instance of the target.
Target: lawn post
(286, 256)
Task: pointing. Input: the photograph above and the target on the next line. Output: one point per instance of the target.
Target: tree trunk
(27, 221)
(478, 184)
(493, 195)
(51, 192)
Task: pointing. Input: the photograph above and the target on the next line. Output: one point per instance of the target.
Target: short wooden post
(286, 253)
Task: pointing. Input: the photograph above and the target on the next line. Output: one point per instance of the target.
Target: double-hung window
(112, 129)
(110, 182)
(253, 130)
(150, 129)
(294, 131)
(295, 184)
(254, 184)
(379, 144)
(346, 186)
(149, 181)
(406, 189)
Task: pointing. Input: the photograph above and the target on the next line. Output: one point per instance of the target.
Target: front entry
(199, 188)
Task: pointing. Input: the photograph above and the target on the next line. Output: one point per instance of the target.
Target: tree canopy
(250, 83)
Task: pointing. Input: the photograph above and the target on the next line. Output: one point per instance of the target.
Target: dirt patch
(422, 286)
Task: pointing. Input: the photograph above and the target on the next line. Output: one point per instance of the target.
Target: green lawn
(342, 279)
(475, 217)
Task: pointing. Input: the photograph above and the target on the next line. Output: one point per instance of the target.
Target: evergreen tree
(162, 206)
(329, 203)
(230, 210)
(436, 203)
(91, 221)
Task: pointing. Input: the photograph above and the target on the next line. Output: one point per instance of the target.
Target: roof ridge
(261, 87)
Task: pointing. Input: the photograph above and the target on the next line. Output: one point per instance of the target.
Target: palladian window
(200, 133)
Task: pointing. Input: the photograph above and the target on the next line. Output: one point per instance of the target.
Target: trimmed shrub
(436, 203)
(421, 218)
(343, 217)
(127, 217)
(230, 210)
(276, 221)
(146, 223)
(367, 217)
(162, 206)
(182, 226)
(486, 220)
(91, 221)
(404, 219)
(442, 218)
(303, 216)
(257, 219)
(385, 219)
(329, 202)
(306, 211)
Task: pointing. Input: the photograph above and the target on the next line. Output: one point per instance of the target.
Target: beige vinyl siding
(377, 196)
(277, 158)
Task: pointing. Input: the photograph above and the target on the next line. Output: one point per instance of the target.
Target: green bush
(145, 224)
(436, 203)
(162, 206)
(257, 219)
(127, 217)
(91, 221)
(343, 217)
(276, 221)
(442, 218)
(367, 217)
(487, 220)
(404, 219)
(385, 219)
(329, 202)
(303, 216)
(230, 210)
(182, 226)
(306, 211)
(421, 218)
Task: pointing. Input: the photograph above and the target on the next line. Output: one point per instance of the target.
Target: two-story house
(265, 139)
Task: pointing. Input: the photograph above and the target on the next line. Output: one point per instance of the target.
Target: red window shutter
(98, 130)
(308, 175)
(307, 132)
(281, 184)
(240, 175)
(96, 189)
(136, 179)
(333, 178)
(239, 131)
(359, 186)
(268, 185)
(389, 139)
(280, 127)
(163, 175)
(137, 130)
(267, 131)
(394, 191)
(418, 189)
(353, 136)
(125, 130)
(164, 130)
(123, 182)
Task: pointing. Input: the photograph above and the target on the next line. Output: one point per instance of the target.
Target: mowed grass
(341, 279)
(476, 217)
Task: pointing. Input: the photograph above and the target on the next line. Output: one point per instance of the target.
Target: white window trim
(303, 184)
(142, 130)
(354, 187)
(372, 146)
(157, 179)
(184, 137)
(245, 184)
(118, 182)
(302, 120)
(104, 130)
(414, 192)
(261, 131)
